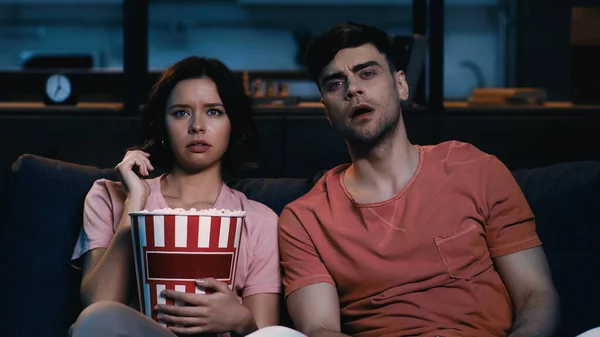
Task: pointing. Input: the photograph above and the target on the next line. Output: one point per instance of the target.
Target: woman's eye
(179, 113)
(214, 112)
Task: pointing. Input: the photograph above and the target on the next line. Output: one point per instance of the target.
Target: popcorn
(192, 211)
(167, 242)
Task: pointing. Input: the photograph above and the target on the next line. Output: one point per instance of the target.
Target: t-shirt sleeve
(98, 222)
(300, 260)
(264, 273)
(510, 225)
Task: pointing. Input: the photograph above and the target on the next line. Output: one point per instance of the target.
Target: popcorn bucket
(174, 248)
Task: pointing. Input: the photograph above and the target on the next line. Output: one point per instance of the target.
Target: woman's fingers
(178, 320)
(143, 164)
(147, 164)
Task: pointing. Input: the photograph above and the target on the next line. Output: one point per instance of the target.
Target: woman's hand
(217, 312)
(137, 189)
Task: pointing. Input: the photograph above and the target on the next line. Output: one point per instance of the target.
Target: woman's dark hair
(243, 140)
(322, 49)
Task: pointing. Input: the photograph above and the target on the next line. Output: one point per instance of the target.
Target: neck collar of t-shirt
(155, 191)
(384, 202)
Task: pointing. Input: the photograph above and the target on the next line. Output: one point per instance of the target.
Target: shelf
(399, 3)
(547, 110)
(61, 2)
(115, 109)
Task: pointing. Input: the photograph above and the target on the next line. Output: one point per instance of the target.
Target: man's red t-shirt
(421, 262)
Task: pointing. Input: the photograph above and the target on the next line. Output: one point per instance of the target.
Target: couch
(41, 210)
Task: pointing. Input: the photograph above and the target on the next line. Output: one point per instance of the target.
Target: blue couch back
(43, 205)
(42, 215)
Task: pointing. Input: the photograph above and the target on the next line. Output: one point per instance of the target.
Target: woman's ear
(164, 138)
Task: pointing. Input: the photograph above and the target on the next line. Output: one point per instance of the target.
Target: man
(406, 240)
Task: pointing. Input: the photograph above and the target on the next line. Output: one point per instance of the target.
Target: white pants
(111, 319)
(108, 319)
(276, 331)
(279, 331)
(591, 333)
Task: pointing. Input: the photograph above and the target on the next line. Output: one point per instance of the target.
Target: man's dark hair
(323, 48)
(243, 140)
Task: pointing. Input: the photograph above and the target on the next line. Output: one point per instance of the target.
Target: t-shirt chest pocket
(464, 253)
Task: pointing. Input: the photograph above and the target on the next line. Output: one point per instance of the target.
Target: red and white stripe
(205, 246)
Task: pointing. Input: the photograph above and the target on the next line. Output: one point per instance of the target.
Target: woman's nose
(196, 125)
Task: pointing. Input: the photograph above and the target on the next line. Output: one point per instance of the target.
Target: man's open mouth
(361, 110)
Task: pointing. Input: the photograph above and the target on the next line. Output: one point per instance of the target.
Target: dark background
(298, 142)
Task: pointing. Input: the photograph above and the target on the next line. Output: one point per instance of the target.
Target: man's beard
(361, 138)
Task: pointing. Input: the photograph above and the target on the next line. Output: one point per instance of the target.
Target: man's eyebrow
(364, 65)
(356, 68)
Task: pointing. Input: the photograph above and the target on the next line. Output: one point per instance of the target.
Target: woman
(196, 126)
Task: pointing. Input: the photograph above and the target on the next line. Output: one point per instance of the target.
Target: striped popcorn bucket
(172, 251)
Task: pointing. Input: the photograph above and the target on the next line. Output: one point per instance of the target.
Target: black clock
(59, 90)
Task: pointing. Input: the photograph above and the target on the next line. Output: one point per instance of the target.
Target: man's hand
(217, 312)
(527, 278)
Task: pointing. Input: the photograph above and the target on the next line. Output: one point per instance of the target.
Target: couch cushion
(562, 196)
(565, 200)
(40, 226)
(4, 169)
(41, 222)
(275, 193)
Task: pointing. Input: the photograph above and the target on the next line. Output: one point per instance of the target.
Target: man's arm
(527, 277)
(312, 298)
(315, 310)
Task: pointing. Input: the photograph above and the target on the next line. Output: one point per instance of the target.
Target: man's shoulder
(455, 152)
(317, 196)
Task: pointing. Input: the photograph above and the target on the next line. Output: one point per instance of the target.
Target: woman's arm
(108, 272)
(264, 309)
(218, 312)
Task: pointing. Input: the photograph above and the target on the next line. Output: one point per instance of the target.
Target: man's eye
(368, 74)
(333, 85)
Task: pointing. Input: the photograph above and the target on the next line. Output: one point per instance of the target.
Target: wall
(543, 50)
(245, 37)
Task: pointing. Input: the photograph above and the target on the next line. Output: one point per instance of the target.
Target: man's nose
(354, 89)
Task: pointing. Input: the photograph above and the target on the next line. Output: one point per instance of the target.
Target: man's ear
(402, 85)
(326, 112)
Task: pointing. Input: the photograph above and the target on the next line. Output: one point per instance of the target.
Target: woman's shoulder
(254, 210)
(112, 189)
(105, 188)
